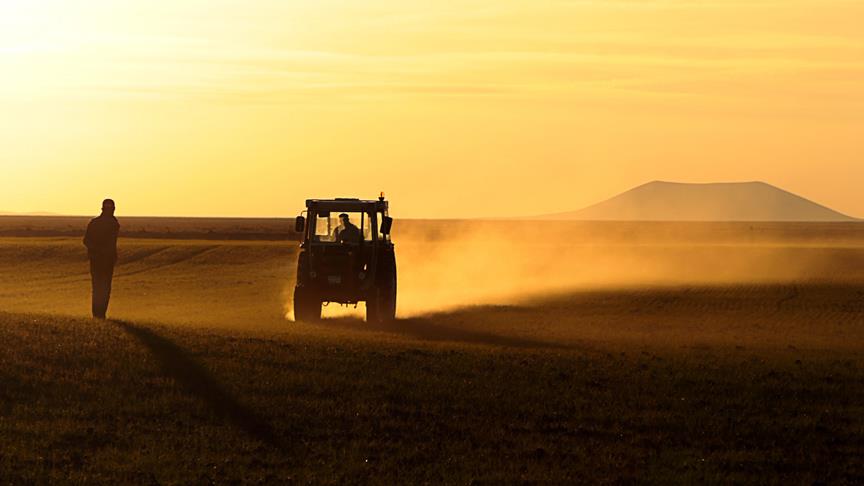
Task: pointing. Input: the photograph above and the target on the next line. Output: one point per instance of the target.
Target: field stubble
(555, 360)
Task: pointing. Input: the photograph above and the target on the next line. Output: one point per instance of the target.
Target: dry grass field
(645, 354)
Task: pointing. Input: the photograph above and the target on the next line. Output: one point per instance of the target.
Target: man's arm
(115, 232)
(88, 237)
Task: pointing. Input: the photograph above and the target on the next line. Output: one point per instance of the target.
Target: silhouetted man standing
(101, 243)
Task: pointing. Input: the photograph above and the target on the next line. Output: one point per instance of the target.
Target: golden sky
(469, 108)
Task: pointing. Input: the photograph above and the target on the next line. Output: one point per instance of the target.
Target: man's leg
(101, 288)
(108, 276)
(94, 287)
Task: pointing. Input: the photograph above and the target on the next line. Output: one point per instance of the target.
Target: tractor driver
(347, 232)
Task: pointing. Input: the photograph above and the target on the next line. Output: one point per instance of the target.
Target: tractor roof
(347, 204)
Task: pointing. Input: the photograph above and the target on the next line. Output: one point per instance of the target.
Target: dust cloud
(446, 265)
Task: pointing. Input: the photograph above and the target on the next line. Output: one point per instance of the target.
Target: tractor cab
(346, 256)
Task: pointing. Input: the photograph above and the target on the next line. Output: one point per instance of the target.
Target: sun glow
(562, 103)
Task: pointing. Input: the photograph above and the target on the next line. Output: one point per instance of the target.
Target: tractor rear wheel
(307, 305)
(381, 304)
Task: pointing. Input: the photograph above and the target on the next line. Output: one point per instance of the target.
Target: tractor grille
(334, 265)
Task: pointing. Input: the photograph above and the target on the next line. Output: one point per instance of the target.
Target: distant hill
(733, 201)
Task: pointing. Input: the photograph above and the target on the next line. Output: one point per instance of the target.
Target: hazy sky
(476, 107)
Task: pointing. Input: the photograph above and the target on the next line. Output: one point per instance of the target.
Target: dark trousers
(101, 273)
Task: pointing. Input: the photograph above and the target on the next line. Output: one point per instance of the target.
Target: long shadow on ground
(630, 313)
(426, 329)
(198, 381)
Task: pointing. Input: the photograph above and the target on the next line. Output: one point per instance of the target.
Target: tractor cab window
(348, 229)
(367, 227)
(324, 228)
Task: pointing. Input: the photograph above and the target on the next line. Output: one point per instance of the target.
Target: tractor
(346, 257)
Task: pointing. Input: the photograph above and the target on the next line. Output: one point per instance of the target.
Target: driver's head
(108, 206)
(343, 218)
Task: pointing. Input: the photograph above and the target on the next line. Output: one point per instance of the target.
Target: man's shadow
(198, 381)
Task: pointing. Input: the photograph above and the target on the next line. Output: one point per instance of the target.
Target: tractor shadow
(199, 382)
(430, 328)
(584, 317)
